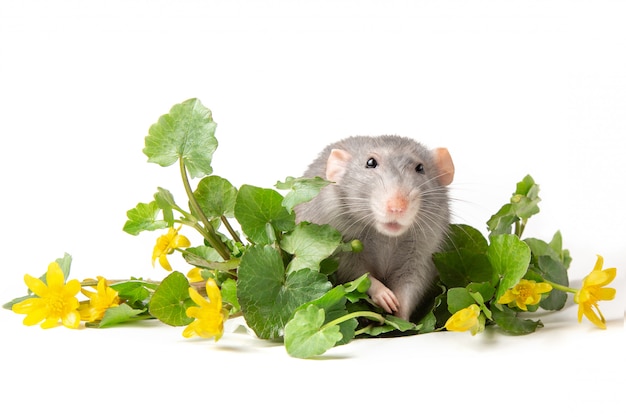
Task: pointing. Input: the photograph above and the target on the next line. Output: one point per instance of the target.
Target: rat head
(390, 183)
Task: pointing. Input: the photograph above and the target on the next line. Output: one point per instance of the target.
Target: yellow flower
(466, 319)
(209, 315)
(195, 275)
(593, 291)
(55, 301)
(99, 301)
(166, 244)
(525, 293)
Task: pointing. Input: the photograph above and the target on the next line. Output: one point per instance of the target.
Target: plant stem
(213, 239)
(561, 287)
(230, 229)
(355, 314)
(519, 228)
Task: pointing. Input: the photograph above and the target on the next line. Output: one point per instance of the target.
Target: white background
(511, 88)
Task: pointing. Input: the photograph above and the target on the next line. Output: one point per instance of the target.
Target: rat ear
(337, 164)
(444, 164)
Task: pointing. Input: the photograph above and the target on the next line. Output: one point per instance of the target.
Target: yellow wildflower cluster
(166, 244)
(209, 314)
(593, 291)
(527, 293)
(55, 300)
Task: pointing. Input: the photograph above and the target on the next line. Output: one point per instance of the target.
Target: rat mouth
(392, 228)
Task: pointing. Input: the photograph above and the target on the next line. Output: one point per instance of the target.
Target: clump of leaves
(278, 273)
(478, 270)
(269, 265)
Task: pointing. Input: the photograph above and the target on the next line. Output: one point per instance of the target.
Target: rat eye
(419, 168)
(371, 163)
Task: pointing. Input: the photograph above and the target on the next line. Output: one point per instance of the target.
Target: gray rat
(390, 193)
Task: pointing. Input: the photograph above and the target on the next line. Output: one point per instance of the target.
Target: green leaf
(208, 258)
(524, 204)
(216, 197)
(508, 321)
(428, 323)
(187, 132)
(554, 271)
(526, 199)
(134, 292)
(302, 190)
(462, 236)
(229, 295)
(334, 304)
(540, 248)
(461, 267)
(306, 336)
(502, 222)
(392, 323)
(120, 314)
(557, 245)
(144, 218)
(458, 299)
(165, 201)
(310, 244)
(268, 298)
(361, 284)
(256, 208)
(171, 299)
(65, 263)
(510, 258)
(9, 305)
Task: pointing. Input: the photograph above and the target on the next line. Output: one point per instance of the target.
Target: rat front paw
(383, 296)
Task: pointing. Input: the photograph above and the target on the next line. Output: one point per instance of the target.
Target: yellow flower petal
(525, 293)
(208, 314)
(464, 320)
(71, 319)
(54, 276)
(35, 285)
(56, 300)
(197, 298)
(165, 263)
(592, 291)
(213, 292)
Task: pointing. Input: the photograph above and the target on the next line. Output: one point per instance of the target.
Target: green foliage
(310, 244)
(120, 314)
(509, 257)
(306, 334)
(144, 218)
(261, 214)
(187, 134)
(278, 273)
(301, 191)
(473, 270)
(171, 299)
(268, 295)
(216, 197)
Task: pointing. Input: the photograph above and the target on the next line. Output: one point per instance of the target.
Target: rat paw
(383, 296)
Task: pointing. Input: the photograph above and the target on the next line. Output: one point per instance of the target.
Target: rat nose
(397, 204)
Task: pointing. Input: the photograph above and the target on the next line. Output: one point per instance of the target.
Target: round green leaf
(306, 336)
(216, 197)
(256, 208)
(171, 299)
(187, 132)
(510, 258)
(310, 244)
(267, 297)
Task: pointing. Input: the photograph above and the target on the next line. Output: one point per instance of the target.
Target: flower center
(55, 304)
